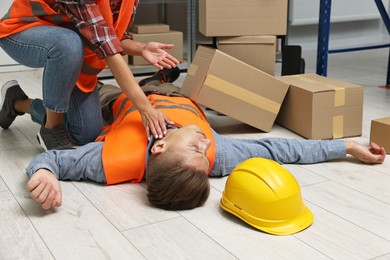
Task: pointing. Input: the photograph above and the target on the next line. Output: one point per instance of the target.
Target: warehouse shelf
(190, 41)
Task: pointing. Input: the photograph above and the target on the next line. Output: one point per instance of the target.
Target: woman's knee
(69, 47)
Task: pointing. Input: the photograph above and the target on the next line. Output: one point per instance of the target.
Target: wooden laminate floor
(350, 200)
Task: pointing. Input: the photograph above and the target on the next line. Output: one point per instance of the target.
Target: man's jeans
(60, 52)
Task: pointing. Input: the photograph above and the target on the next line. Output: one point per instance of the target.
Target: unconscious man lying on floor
(176, 167)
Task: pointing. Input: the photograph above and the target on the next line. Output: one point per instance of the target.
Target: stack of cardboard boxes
(156, 33)
(237, 79)
(247, 30)
(228, 81)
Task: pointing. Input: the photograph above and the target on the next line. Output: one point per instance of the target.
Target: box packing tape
(339, 95)
(338, 126)
(241, 93)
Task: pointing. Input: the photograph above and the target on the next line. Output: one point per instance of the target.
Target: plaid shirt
(89, 22)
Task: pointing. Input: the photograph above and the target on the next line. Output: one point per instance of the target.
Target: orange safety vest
(125, 141)
(25, 14)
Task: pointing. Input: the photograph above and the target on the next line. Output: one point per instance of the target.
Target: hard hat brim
(280, 228)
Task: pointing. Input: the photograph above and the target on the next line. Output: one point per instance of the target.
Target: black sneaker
(55, 138)
(164, 76)
(10, 92)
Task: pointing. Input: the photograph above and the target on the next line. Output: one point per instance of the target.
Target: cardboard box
(237, 18)
(149, 28)
(380, 132)
(173, 37)
(229, 86)
(318, 107)
(258, 51)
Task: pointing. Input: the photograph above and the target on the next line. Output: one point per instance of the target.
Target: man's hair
(173, 185)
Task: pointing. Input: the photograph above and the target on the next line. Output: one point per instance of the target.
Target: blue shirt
(85, 162)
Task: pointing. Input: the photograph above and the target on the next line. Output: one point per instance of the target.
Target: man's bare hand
(45, 189)
(374, 154)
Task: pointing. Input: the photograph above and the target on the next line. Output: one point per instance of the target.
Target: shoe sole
(40, 141)
(4, 89)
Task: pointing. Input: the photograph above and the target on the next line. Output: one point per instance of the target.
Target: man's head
(177, 171)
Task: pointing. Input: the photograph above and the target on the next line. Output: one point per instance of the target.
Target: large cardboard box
(258, 51)
(150, 28)
(380, 132)
(241, 18)
(173, 37)
(318, 107)
(229, 86)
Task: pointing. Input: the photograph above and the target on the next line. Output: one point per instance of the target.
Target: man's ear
(158, 147)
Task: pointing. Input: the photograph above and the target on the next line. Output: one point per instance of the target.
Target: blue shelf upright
(323, 37)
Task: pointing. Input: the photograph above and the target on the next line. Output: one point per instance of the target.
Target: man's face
(190, 142)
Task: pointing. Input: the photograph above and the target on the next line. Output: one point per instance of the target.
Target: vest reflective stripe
(125, 141)
(25, 14)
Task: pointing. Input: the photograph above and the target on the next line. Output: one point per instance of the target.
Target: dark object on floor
(292, 62)
(164, 76)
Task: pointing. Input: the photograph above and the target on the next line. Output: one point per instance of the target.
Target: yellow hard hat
(265, 195)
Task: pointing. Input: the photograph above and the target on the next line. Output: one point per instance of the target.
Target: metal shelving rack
(191, 36)
(323, 37)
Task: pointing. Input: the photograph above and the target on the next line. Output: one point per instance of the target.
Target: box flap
(385, 120)
(306, 83)
(196, 72)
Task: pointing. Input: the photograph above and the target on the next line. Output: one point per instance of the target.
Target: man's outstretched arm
(44, 171)
(230, 151)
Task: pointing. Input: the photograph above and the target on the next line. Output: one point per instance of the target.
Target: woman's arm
(153, 52)
(154, 120)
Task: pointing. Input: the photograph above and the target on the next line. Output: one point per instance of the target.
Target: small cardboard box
(149, 28)
(173, 37)
(380, 132)
(229, 86)
(318, 107)
(258, 51)
(236, 18)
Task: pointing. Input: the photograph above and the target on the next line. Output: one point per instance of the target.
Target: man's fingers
(42, 197)
(58, 199)
(32, 184)
(37, 191)
(374, 148)
(48, 202)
